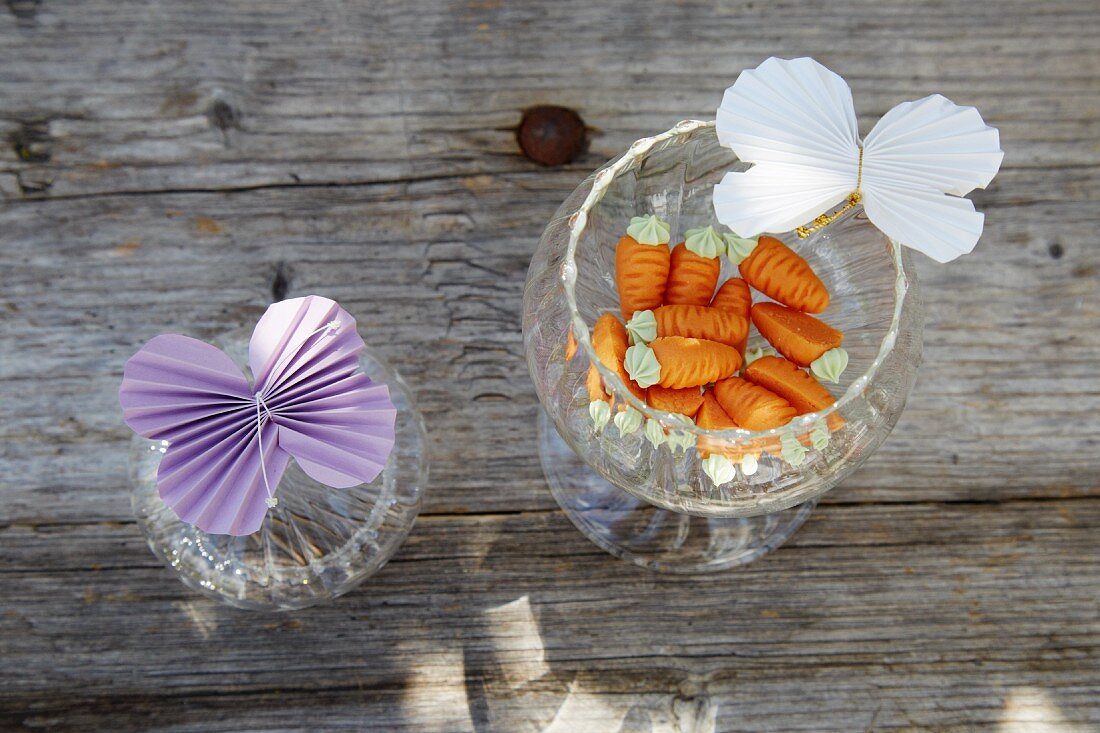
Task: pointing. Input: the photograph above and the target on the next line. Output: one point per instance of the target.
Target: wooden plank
(177, 166)
(343, 92)
(1005, 592)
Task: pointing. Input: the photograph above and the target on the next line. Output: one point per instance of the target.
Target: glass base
(658, 539)
(317, 543)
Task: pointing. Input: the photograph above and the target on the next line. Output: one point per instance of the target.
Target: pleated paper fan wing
(294, 338)
(942, 227)
(174, 381)
(917, 161)
(776, 197)
(335, 421)
(795, 121)
(343, 435)
(933, 142)
(793, 111)
(218, 480)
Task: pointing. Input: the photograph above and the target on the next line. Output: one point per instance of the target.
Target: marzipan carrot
(610, 344)
(785, 379)
(641, 265)
(798, 336)
(684, 401)
(751, 406)
(695, 267)
(594, 384)
(691, 278)
(570, 344)
(690, 362)
(735, 296)
(701, 322)
(778, 272)
(711, 416)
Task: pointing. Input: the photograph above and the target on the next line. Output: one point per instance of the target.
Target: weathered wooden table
(177, 166)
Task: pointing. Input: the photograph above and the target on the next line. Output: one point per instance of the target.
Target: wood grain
(177, 166)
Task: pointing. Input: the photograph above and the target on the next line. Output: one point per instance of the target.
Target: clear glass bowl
(571, 281)
(318, 542)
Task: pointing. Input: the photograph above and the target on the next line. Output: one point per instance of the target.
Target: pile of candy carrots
(682, 346)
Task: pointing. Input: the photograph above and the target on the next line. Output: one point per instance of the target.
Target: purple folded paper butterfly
(229, 442)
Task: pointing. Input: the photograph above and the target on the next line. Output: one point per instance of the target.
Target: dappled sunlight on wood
(1033, 710)
(585, 709)
(517, 642)
(200, 614)
(434, 699)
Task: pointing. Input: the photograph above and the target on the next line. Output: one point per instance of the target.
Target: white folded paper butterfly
(795, 121)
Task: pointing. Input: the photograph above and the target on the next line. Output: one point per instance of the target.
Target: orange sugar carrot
(691, 278)
(684, 401)
(691, 362)
(711, 416)
(701, 322)
(602, 338)
(798, 336)
(570, 344)
(778, 272)
(594, 384)
(751, 406)
(610, 344)
(789, 382)
(734, 295)
(641, 274)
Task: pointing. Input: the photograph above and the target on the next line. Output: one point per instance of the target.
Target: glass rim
(578, 221)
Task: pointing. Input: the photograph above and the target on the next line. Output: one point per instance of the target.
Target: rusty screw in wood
(551, 135)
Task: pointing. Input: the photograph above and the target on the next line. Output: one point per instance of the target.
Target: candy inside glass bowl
(655, 505)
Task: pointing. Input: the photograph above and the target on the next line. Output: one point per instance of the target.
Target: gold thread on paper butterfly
(825, 219)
